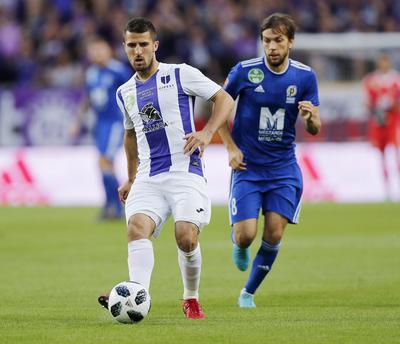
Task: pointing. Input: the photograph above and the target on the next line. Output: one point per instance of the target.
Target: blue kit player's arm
(232, 86)
(308, 107)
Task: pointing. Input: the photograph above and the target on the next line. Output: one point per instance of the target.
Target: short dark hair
(279, 22)
(141, 25)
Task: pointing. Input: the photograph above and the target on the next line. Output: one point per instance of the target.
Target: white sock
(190, 265)
(140, 261)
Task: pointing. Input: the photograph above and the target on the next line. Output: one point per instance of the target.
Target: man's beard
(277, 63)
(144, 67)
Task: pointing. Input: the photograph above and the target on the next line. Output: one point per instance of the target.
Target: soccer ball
(129, 302)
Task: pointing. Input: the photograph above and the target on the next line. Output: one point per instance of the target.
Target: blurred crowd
(42, 41)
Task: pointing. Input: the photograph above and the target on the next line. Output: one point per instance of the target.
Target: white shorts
(182, 194)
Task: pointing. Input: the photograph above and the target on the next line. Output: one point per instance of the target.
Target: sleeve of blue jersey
(232, 83)
(311, 93)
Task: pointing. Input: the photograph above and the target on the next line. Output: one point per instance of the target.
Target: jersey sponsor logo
(256, 75)
(259, 89)
(151, 118)
(149, 113)
(291, 92)
(271, 125)
(130, 102)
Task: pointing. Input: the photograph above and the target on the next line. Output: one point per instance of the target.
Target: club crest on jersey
(255, 75)
(151, 118)
(165, 79)
(165, 82)
(291, 92)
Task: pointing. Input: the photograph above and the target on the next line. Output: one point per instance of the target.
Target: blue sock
(262, 264)
(110, 183)
(116, 203)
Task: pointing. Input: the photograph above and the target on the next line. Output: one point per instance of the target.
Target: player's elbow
(224, 98)
(229, 100)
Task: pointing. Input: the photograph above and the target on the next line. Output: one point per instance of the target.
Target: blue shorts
(109, 137)
(277, 190)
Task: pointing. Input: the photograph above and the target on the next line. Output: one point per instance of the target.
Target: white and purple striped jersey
(161, 111)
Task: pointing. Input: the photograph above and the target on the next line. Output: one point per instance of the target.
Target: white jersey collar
(280, 73)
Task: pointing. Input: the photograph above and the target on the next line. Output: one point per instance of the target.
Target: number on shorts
(233, 206)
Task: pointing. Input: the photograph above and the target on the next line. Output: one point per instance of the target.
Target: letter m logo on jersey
(271, 124)
(274, 121)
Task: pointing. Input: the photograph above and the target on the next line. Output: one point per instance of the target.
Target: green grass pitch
(336, 280)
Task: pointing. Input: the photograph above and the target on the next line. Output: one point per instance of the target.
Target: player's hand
(236, 159)
(123, 190)
(199, 139)
(306, 109)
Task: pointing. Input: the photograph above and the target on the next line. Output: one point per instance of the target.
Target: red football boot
(192, 309)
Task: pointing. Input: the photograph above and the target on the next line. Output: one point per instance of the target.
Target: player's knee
(273, 237)
(186, 236)
(136, 230)
(244, 239)
(186, 244)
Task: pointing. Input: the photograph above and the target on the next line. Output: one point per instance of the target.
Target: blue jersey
(101, 85)
(267, 109)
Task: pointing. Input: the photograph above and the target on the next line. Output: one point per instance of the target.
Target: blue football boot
(246, 300)
(241, 257)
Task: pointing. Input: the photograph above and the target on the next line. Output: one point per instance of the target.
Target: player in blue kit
(271, 91)
(103, 78)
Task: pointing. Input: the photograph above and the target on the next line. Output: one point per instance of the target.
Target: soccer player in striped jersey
(165, 169)
(271, 91)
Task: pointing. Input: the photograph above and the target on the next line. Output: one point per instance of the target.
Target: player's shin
(190, 266)
(262, 264)
(140, 261)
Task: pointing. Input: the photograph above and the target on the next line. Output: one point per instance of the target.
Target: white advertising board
(68, 176)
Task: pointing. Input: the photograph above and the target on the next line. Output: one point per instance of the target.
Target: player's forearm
(313, 124)
(131, 153)
(226, 136)
(132, 169)
(223, 106)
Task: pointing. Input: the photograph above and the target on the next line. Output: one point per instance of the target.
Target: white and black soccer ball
(129, 302)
